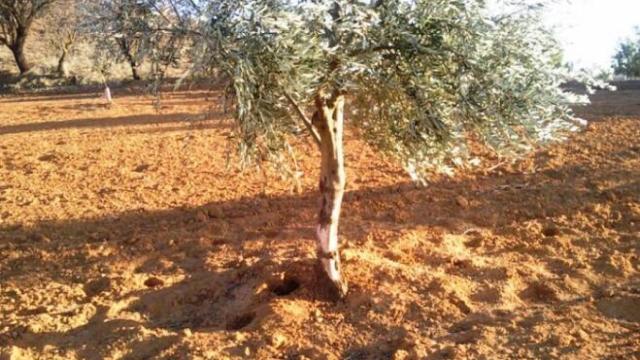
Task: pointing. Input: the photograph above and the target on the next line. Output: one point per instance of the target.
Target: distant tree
(627, 59)
(63, 28)
(423, 79)
(124, 25)
(16, 20)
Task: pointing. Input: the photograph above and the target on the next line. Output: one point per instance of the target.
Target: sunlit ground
(124, 235)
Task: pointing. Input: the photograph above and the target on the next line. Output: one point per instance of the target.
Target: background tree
(16, 20)
(627, 59)
(63, 29)
(422, 79)
(125, 26)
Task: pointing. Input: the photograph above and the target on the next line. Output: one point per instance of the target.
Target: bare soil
(124, 236)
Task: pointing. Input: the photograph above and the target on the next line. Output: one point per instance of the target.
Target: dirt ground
(124, 236)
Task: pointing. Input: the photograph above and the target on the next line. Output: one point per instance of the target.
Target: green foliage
(422, 78)
(627, 59)
(132, 31)
(16, 17)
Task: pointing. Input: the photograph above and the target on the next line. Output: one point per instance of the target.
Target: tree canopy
(421, 76)
(16, 19)
(627, 59)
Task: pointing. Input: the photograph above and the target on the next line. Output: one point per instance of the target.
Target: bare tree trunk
(126, 50)
(134, 70)
(62, 64)
(17, 48)
(328, 120)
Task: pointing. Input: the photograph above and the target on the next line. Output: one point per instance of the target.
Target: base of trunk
(337, 288)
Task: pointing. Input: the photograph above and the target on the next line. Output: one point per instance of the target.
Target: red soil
(123, 235)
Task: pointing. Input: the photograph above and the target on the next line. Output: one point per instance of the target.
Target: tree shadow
(606, 104)
(79, 92)
(98, 326)
(107, 122)
(91, 93)
(225, 250)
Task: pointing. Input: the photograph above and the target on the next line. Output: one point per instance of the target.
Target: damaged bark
(328, 122)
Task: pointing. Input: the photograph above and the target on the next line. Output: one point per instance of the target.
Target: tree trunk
(134, 70)
(18, 51)
(328, 120)
(62, 64)
(126, 50)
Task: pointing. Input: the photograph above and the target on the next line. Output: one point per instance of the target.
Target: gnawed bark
(328, 121)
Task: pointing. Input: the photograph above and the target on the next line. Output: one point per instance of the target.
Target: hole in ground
(241, 321)
(287, 286)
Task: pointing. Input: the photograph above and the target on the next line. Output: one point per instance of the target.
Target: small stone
(278, 340)
(153, 282)
(462, 202)
(400, 355)
(238, 336)
(348, 255)
(141, 167)
(582, 335)
(98, 286)
(317, 315)
(247, 351)
(187, 332)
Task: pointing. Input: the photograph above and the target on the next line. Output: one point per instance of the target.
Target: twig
(304, 119)
(497, 165)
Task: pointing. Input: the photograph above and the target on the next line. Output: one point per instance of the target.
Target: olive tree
(16, 20)
(63, 29)
(419, 80)
(626, 61)
(123, 27)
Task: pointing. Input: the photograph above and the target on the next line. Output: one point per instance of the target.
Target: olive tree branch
(304, 118)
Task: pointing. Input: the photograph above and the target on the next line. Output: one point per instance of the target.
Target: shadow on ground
(231, 283)
(109, 122)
